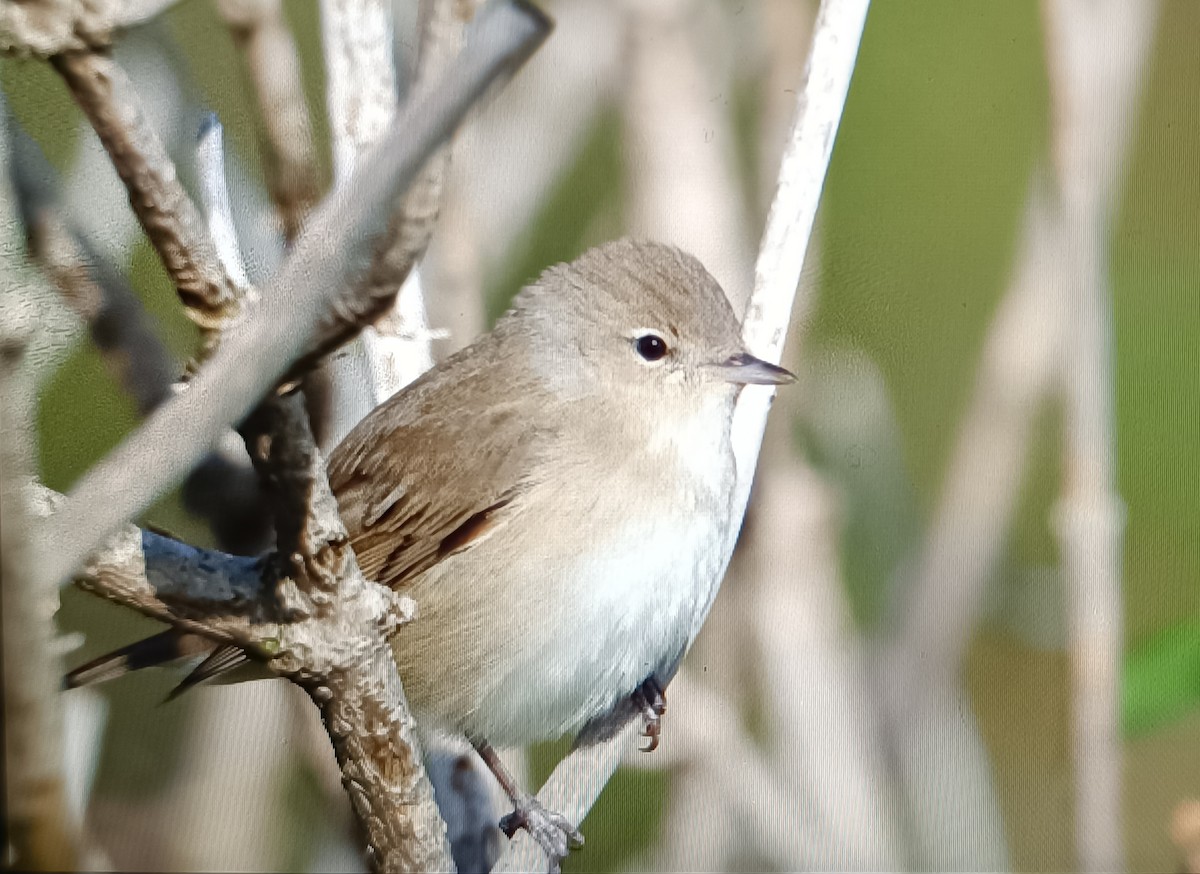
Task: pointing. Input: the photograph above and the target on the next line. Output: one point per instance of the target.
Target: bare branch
(273, 63)
(305, 290)
(50, 27)
(167, 214)
(41, 833)
(395, 348)
(132, 352)
(327, 632)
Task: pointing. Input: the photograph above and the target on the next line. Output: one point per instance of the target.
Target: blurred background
(667, 120)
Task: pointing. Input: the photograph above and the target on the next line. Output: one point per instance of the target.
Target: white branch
(360, 78)
(571, 790)
(214, 199)
(836, 36)
(1096, 56)
(358, 40)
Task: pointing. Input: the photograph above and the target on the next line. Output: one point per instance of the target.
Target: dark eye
(651, 347)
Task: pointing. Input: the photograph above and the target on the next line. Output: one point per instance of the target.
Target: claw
(652, 703)
(553, 832)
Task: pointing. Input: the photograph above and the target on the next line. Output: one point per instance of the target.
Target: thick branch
(348, 670)
(333, 643)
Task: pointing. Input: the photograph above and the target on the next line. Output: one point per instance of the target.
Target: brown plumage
(556, 498)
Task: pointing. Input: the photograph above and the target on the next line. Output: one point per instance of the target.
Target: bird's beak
(744, 369)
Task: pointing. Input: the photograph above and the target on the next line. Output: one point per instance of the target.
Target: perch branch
(310, 615)
(362, 705)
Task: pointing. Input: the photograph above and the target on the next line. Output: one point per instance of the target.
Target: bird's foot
(652, 704)
(553, 832)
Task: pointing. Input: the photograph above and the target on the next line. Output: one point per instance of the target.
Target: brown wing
(435, 467)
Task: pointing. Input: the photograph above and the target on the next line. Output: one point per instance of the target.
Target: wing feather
(421, 478)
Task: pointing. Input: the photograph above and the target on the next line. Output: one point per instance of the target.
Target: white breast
(631, 600)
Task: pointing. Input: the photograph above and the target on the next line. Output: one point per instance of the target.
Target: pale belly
(592, 624)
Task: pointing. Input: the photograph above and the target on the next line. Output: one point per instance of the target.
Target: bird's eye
(651, 347)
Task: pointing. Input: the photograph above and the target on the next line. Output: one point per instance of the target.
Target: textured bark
(170, 219)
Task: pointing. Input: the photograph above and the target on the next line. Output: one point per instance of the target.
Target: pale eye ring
(651, 347)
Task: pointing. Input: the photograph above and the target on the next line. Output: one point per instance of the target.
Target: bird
(557, 498)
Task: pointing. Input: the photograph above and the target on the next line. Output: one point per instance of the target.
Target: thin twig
(168, 216)
(576, 782)
(99, 295)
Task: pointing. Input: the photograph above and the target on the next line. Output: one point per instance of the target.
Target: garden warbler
(557, 498)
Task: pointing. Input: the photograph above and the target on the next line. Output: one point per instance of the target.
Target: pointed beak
(744, 369)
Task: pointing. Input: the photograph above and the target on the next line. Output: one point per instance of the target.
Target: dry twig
(167, 214)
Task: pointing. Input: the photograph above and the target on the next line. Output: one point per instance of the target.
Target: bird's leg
(552, 831)
(651, 702)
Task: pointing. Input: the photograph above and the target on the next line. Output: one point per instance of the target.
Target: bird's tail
(161, 649)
